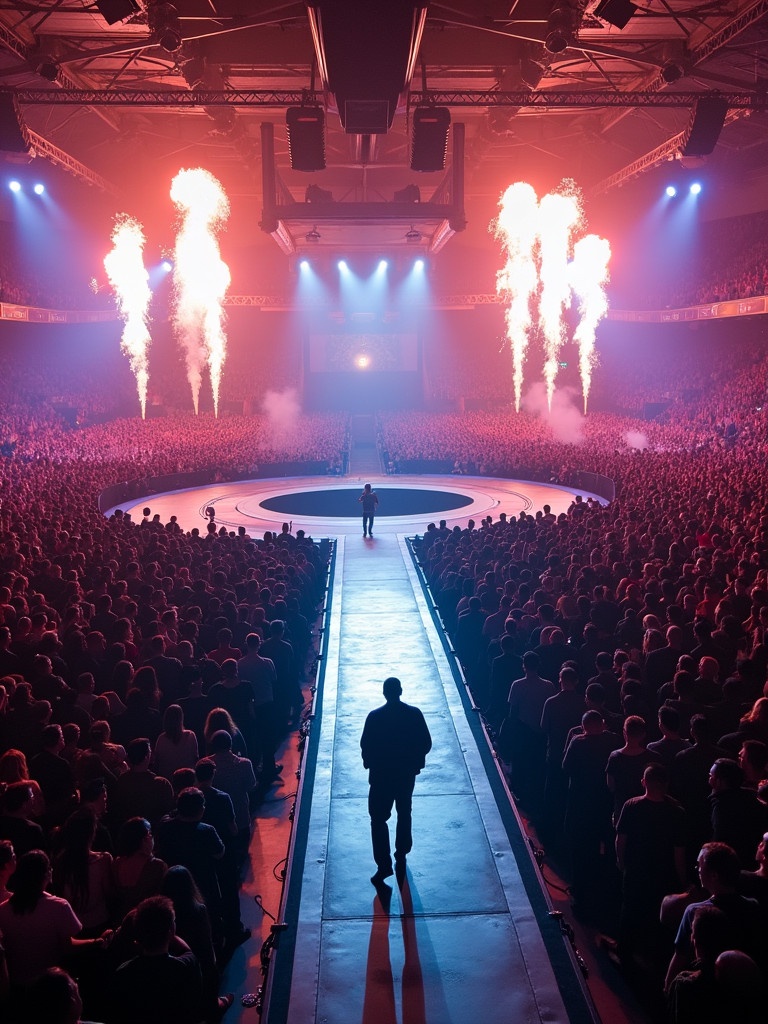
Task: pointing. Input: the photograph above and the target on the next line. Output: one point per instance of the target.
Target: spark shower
(200, 276)
(542, 272)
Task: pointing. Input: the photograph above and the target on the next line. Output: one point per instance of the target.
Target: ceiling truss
(455, 98)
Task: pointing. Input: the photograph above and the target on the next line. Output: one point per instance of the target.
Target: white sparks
(558, 217)
(124, 265)
(589, 273)
(537, 239)
(517, 227)
(201, 277)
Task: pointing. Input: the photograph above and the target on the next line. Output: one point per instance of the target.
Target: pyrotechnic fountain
(124, 265)
(537, 237)
(201, 277)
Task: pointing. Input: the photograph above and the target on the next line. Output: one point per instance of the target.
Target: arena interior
(505, 266)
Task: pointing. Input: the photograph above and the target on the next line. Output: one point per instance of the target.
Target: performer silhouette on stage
(370, 502)
(394, 744)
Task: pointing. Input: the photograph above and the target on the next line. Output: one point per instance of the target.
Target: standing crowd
(148, 678)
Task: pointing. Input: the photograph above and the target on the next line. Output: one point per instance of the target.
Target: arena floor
(328, 507)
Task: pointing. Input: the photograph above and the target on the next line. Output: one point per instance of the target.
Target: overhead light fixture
(409, 194)
(413, 236)
(561, 25)
(672, 71)
(313, 236)
(165, 27)
(315, 194)
(48, 69)
(38, 188)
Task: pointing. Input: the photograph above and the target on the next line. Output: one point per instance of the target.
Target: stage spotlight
(383, 264)
(671, 191)
(362, 362)
(561, 26)
(48, 69)
(418, 265)
(167, 266)
(342, 265)
(304, 264)
(39, 188)
(14, 186)
(695, 188)
(165, 27)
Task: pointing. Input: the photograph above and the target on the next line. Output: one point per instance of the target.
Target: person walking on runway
(370, 502)
(394, 745)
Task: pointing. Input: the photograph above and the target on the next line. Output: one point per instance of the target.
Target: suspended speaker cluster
(13, 132)
(305, 127)
(705, 127)
(429, 138)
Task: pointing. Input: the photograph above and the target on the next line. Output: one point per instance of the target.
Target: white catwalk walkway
(460, 941)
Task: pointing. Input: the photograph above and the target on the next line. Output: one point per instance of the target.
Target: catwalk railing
(277, 952)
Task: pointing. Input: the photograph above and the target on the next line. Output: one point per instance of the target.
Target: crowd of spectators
(147, 679)
(726, 259)
(125, 656)
(25, 283)
(620, 656)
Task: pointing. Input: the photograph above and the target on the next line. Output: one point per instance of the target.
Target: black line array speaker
(429, 138)
(113, 11)
(615, 12)
(705, 127)
(306, 137)
(13, 136)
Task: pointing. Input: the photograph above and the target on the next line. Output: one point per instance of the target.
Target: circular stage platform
(343, 501)
(406, 504)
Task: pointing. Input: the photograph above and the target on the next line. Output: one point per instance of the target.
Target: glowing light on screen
(124, 265)
(201, 277)
(543, 269)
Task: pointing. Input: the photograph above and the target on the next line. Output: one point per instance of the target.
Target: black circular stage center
(341, 502)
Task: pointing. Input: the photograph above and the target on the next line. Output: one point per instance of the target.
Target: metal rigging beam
(453, 98)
